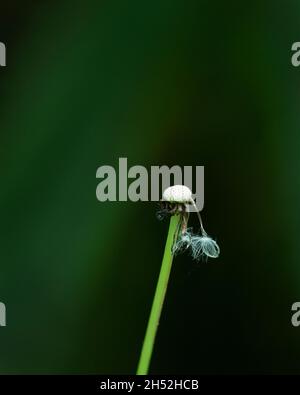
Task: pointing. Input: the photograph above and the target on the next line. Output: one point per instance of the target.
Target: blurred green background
(159, 82)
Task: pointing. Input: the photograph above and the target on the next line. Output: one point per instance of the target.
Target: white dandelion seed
(182, 243)
(204, 245)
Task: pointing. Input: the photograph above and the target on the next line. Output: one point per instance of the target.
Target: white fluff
(200, 246)
(183, 242)
(204, 245)
(178, 194)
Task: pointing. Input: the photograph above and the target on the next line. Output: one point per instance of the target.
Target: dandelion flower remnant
(175, 204)
(178, 194)
(176, 200)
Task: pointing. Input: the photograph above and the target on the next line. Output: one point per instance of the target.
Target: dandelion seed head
(178, 194)
(175, 201)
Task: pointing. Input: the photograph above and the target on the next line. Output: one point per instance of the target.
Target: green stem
(159, 297)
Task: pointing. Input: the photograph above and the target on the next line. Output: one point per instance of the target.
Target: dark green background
(161, 82)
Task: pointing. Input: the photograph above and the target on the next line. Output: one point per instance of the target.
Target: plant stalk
(159, 297)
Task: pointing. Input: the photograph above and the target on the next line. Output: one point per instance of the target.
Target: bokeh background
(169, 82)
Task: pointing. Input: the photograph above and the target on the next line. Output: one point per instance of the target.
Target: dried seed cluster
(176, 201)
